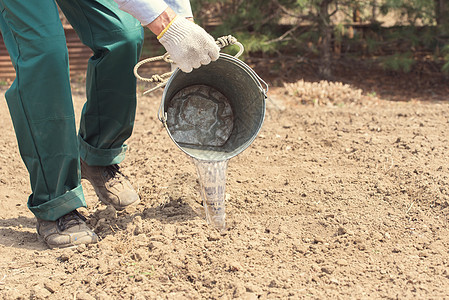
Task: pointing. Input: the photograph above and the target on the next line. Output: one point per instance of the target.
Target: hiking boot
(69, 230)
(111, 186)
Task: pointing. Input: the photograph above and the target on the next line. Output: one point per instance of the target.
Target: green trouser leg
(40, 101)
(108, 116)
(40, 104)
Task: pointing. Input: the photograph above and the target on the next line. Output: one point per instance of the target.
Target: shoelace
(71, 219)
(111, 172)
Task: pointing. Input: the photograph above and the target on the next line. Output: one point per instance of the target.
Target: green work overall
(40, 101)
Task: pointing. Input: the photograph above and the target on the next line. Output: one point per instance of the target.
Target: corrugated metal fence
(78, 57)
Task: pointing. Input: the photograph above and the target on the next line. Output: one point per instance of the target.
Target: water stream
(200, 116)
(212, 178)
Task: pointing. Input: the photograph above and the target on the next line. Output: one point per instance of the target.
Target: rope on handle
(162, 79)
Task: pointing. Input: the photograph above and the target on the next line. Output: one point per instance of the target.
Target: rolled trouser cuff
(60, 206)
(101, 157)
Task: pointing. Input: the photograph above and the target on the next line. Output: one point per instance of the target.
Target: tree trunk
(374, 11)
(325, 68)
(441, 15)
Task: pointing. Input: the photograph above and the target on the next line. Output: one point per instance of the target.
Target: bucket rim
(225, 56)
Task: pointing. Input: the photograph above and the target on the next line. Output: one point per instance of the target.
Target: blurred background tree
(393, 34)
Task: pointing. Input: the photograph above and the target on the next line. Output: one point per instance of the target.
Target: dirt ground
(346, 198)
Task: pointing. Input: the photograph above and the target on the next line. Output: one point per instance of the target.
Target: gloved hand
(188, 44)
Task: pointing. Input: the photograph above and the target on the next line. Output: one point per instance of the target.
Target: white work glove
(188, 44)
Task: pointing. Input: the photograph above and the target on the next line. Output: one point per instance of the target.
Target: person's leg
(41, 106)
(116, 39)
(108, 115)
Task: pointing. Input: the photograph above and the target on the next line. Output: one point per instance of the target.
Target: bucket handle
(163, 79)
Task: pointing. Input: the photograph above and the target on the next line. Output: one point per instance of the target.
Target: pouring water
(200, 116)
(212, 178)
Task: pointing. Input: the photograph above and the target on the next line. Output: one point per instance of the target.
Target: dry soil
(339, 199)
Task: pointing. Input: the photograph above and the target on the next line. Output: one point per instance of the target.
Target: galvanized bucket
(246, 93)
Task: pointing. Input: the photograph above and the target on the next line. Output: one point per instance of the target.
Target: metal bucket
(243, 89)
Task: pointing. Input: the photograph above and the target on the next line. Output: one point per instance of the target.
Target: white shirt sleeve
(143, 10)
(181, 7)
(147, 10)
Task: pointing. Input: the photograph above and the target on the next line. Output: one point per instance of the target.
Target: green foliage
(256, 42)
(413, 38)
(373, 45)
(400, 62)
(404, 34)
(302, 4)
(293, 27)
